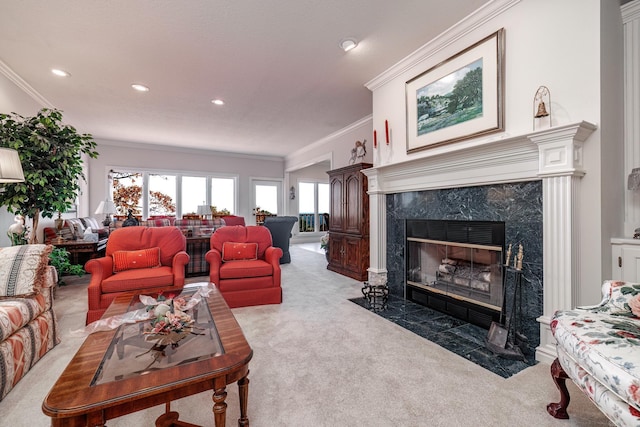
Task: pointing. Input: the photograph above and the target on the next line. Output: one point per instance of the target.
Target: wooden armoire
(349, 221)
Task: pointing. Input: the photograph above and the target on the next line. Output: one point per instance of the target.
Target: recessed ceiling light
(217, 101)
(348, 44)
(140, 88)
(59, 72)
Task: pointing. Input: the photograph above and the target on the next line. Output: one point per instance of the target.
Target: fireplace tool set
(505, 338)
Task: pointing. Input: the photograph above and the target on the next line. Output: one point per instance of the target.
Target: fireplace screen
(465, 271)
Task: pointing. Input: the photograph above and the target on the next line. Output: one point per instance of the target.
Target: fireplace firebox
(456, 267)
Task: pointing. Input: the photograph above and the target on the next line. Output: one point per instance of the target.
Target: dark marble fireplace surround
(518, 205)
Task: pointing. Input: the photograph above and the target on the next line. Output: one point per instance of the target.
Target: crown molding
(6, 71)
(630, 11)
(468, 24)
(355, 125)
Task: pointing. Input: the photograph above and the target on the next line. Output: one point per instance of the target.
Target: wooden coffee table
(95, 387)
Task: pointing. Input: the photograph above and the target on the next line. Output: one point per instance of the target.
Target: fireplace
(530, 181)
(501, 215)
(456, 267)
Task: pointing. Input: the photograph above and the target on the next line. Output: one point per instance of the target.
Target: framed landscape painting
(458, 99)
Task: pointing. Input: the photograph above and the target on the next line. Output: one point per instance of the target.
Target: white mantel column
(561, 167)
(377, 230)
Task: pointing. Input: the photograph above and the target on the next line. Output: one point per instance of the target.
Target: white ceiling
(276, 63)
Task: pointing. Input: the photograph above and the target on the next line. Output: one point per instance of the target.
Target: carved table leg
(220, 406)
(243, 392)
(559, 410)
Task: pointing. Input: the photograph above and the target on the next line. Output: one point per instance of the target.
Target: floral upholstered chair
(599, 349)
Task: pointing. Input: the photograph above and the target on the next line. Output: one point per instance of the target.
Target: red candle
(375, 140)
(386, 130)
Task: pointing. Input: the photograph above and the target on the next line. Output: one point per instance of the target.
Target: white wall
(562, 45)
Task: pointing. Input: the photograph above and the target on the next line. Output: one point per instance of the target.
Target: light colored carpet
(321, 360)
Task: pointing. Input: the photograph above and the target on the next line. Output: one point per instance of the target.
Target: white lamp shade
(10, 166)
(106, 207)
(204, 210)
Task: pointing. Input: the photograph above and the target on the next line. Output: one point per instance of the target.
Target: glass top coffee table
(130, 368)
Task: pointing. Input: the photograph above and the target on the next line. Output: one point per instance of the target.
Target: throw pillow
(624, 298)
(129, 260)
(78, 227)
(22, 269)
(232, 251)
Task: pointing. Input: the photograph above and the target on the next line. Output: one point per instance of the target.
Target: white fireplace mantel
(553, 155)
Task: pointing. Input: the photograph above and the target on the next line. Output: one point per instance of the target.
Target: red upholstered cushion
(131, 280)
(246, 269)
(237, 233)
(129, 260)
(233, 251)
(170, 239)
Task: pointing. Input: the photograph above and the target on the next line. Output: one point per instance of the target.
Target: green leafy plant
(59, 258)
(51, 156)
(222, 212)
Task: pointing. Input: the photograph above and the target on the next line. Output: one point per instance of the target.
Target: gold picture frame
(459, 98)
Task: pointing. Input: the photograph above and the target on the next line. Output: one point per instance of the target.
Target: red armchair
(245, 266)
(153, 273)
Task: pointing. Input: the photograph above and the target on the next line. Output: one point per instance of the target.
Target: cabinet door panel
(630, 263)
(353, 254)
(335, 250)
(352, 202)
(337, 203)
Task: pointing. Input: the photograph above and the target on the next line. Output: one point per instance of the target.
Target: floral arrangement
(169, 321)
(324, 242)
(215, 212)
(259, 211)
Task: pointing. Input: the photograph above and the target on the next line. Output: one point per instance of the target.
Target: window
(162, 195)
(313, 206)
(267, 198)
(153, 193)
(127, 192)
(194, 193)
(223, 194)
(267, 195)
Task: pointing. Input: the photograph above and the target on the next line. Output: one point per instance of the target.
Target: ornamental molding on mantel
(550, 152)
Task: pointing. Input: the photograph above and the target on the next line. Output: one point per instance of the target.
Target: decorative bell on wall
(542, 108)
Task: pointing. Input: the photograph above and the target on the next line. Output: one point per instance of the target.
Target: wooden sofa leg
(559, 410)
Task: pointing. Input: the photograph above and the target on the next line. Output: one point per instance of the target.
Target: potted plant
(324, 244)
(59, 258)
(51, 156)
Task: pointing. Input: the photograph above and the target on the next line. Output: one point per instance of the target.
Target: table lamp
(204, 210)
(106, 207)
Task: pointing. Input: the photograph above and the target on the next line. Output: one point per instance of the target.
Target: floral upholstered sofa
(28, 328)
(599, 350)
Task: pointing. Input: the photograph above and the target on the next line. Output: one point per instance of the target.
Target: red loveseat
(152, 272)
(245, 266)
